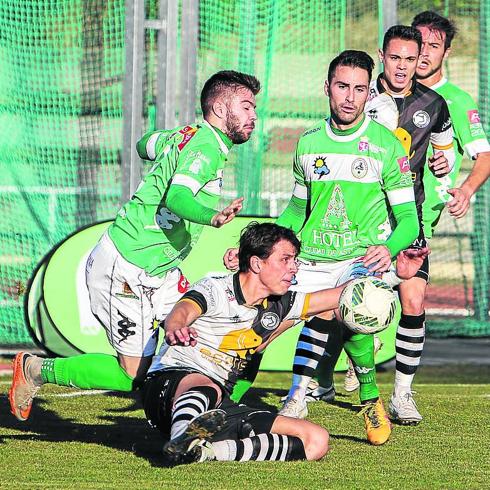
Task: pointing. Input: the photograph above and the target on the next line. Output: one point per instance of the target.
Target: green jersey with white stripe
(347, 180)
(469, 137)
(145, 232)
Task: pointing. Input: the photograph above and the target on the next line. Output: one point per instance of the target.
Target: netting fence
(61, 113)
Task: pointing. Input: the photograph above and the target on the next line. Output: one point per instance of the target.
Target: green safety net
(61, 117)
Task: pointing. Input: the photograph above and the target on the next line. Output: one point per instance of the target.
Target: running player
(132, 274)
(437, 35)
(211, 335)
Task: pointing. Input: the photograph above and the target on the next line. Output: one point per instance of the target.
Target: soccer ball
(367, 305)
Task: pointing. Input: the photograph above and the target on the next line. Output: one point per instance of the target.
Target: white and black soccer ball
(367, 305)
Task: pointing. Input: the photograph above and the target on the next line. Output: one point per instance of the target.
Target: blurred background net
(61, 114)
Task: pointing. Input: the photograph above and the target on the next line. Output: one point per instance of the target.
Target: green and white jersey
(347, 180)
(145, 232)
(469, 137)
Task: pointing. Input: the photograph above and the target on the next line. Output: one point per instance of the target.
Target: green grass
(86, 442)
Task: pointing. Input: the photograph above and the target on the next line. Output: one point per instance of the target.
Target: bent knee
(413, 306)
(316, 445)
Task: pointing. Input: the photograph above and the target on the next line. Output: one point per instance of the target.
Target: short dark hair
(437, 22)
(352, 58)
(222, 81)
(406, 33)
(258, 239)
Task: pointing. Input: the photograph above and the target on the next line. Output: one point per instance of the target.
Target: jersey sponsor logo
(270, 320)
(311, 131)
(476, 130)
(338, 234)
(363, 145)
(187, 132)
(421, 119)
(404, 164)
(223, 360)
(405, 139)
(363, 370)
(474, 117)
(242, 341)
(183, 284)
(126, 292)
(230, 296)
(446, 124)
(165, 219)
(320, 167)
(359, 168)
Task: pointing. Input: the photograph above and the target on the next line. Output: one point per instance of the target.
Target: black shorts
(421, 242)
(158, 397)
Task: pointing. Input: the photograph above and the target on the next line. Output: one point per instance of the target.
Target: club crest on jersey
(188, 132)
(421, 119)
(270, 320)
(320, 167)
(359, 168)
(404, 164)
(474, 117)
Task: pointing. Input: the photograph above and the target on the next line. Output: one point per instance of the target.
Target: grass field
(85, 441)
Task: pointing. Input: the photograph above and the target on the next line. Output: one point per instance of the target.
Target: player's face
(400, 62)
(240, 115)
(278, 270)
(348, 91)
(432, 54)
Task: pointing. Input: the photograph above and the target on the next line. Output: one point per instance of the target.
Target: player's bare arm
(178, 329)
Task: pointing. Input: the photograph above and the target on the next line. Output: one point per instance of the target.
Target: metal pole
(166, 82)
(132, 96)
(390, 14)
(188, 77)
(481, 226)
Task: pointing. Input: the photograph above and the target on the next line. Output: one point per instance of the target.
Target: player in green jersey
(346, 168)
(437, 35)
(132, 274)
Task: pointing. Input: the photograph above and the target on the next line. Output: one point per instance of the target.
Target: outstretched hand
(409, 261)
(227, 214)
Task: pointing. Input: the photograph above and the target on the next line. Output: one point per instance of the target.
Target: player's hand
(409, 261)
(185, 336)
(460, 203)
(225, 216)
(438, 164)
(377, 258)
(230, 259)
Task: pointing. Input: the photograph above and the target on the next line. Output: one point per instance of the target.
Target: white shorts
(314, 276)
(128, 302)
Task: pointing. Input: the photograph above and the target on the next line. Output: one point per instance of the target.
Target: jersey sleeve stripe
(151, 146)
(442, 147)
(300, 191)
(400, 196)
(188, 182)
(197, 300)
(474, 148)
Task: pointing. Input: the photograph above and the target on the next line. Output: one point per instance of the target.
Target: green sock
(87, 371)
(360, 349)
